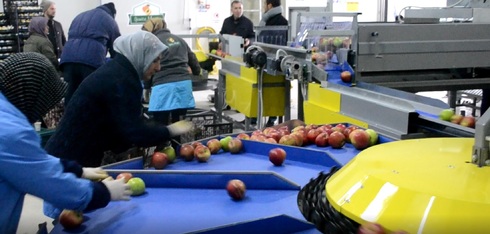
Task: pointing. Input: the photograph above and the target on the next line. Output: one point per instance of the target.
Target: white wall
(66, 10)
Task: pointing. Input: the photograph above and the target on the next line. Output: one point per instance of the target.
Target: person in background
(171, 87)
(56, 34)
(38, 40)
(105, 113)
(238, 25)
(90, 37)
(273, 17)
(29, 87)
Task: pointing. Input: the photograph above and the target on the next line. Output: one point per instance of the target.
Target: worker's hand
(118, 189)
(220, 46)
(92, 173)
(189, 70)
(247, 42)
(179, 128)
(146, 95)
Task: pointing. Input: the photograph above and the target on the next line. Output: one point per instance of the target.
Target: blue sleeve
(72, 166)
(29, 169)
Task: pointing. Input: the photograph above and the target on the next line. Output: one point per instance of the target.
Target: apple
(235, 146)
(71, 219)
(268, 130)
(124, 175)
(468, 121)
(456, 119)
(340, 126)
(214, 146)
(277, 156)
(284, 131)
(257, 132)
(346, 76)
(370, 228)
(137, 186)
(373, 136)
(297, 128)
(159, 160)
(260, 138)
(298, 138)
(202, 153)
(346, 133)
(360, 139)
(196, 144)
(322, 140)
(224, 143)
(243, 136)
(287, 140)
(170, 152)
(271, 140)
(236, 189)
(336, 140)
(312, 134)
(276, 135)
(187, 152)
(446, 114)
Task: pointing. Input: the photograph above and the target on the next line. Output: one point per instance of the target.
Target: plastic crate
(205, 125)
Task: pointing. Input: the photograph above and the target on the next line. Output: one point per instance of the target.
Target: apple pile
(449, 115)
(322, 136)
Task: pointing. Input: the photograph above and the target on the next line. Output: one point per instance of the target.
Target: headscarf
(30, 82)
(154, 24)
(140, 48)
(38, 25)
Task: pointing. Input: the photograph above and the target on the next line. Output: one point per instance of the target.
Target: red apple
(260, 138)
(235, 146)
(456, 119)
(360, 139)
(271, 140)
(214, 146)
(236, 189)
(346, 76)
(125, 175)
(243, 136)
(257, 132)
(336, 140)
(370, 228)
(196, 144)
(301, 127)
(322, 140)
(287, 140)
(267, 130)
(202, 153)
(468, 121)
(284, 131)
(312, 134)
(159, 160)
(341, 126)
(277, 156)
(187, 152)
(276, 135)
(346, 133)
(298, 138)
(71, 219)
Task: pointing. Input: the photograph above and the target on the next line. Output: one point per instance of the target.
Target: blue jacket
(90, 37)
(105, 113)
(26, 168)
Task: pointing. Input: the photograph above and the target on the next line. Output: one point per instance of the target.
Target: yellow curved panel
(420, 186)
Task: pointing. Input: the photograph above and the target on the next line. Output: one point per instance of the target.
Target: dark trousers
(169, 117)
(74, 74)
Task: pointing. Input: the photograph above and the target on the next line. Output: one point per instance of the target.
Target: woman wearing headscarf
(171, 87)
(38, 40)
(29, 87)
(105, 113)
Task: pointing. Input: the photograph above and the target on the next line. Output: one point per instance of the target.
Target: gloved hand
(94, 173)
(118, 189)
(179, 128)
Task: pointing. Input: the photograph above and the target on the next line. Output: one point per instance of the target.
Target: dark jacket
(91, 35)
(276, 37)
(175, 60)
(56, 36)
(40, 44)
(104, 114)
(241, 27)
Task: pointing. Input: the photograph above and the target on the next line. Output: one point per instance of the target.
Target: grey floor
(32, 213)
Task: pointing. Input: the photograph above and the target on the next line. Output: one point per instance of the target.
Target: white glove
(179, 128)
(94, 173)
(146, 95)
(118, 189)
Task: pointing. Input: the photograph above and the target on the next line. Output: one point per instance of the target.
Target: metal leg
(300, 102)
(451, 98)
(287, 101)
(219, 95)
(260, 84)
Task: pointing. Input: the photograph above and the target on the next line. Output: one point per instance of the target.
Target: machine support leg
(287, 102)
(451, 98)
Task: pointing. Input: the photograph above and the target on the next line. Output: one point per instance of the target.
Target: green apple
(170, 152)
(446, 114)
(137, 186)
(373, 136)
(213, 51)
(224, 143)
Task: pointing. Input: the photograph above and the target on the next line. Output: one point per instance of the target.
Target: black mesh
(313, 204)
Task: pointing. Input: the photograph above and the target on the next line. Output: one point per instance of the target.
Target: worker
(238, 25)
(29, 87)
